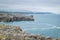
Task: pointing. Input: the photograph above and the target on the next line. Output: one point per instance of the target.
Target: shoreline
(15, 17)
(18, 33)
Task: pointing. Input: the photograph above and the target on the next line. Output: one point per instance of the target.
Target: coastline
(16, 33)
(16, 17)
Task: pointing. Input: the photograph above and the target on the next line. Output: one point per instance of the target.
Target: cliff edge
(8, 32)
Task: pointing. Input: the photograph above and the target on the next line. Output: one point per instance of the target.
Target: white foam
(58, 27)
(53, 26)
(44, 28)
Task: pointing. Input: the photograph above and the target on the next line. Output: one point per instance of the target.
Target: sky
(31, 5)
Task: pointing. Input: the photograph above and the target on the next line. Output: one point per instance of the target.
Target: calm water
(44, 24)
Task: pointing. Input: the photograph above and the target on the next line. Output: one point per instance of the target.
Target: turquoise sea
(44, 24)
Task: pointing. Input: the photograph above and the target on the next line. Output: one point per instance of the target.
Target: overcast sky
(32, 5)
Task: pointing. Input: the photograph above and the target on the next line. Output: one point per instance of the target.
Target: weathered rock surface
(11, 18)
(16, 33)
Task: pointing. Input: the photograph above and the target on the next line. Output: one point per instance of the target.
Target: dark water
(44, 24)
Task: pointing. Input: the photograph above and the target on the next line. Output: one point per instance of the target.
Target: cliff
(11, 18)
(8, 32)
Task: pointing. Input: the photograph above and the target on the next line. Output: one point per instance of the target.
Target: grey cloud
(30, 1)
(29, 4)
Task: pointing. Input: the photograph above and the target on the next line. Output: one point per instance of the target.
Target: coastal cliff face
(11, 18)
(8, 32)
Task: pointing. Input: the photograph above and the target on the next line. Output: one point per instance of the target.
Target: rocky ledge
(8, 32)
(11, 18)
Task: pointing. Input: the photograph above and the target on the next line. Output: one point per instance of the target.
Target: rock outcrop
(11, 18)
(16, 33)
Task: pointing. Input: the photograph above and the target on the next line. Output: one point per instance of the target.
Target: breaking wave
(50, 26)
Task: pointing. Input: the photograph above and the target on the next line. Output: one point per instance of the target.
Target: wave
(42, 28)
(50, 26)
(45, 26)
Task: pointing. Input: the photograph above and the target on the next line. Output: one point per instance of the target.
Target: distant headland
(6, 16)
(10, 17)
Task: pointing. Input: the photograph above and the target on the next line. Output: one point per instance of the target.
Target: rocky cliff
(8, 32)
(11, 18)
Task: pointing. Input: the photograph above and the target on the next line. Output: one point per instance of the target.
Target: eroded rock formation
(11, 18)
(16, 33)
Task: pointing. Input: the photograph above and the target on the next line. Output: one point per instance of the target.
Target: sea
(43, 24)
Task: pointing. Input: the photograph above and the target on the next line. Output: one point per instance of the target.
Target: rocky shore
(8, 32)
(11, 18)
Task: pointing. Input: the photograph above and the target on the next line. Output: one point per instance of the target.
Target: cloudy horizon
(32, 5)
